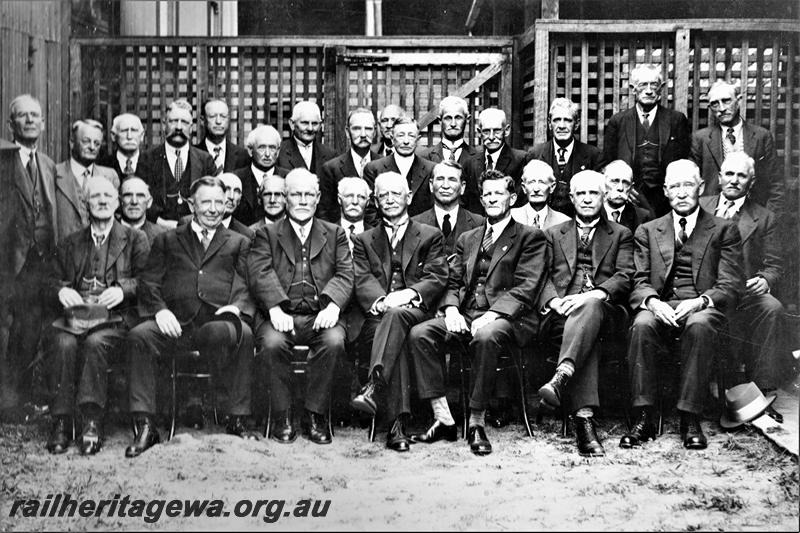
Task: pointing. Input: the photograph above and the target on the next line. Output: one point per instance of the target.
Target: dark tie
(33, 169)
(446, 227)
(729, 209)
(178, 166)
(536, 221)
(682, 237)
(217, 151)
(731, 137)
(562, 162)
(388, 151)
(615, 215)
(128, 167)
(350, 234)
(489, 163)
(645, 121)
(585, 232)
(205, 241)
(487, 239)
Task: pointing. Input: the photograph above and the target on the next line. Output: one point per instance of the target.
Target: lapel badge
(505, 248)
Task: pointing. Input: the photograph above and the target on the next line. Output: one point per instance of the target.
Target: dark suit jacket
(510, 162)
(515, 279)
(379, 148)
(272, 262)
(235, 155)
(200, 164)
(760, 247)
(768, 189)
(612, 259)
(250, 209)
(632, 217)
(142, 170)
(341, 166)
(619, 140)
(289, 155)
(465, 221)
(470, 198)
(717, 269)
(68, 197)
(423, 259)
(181, 276)
(151, 230)
(128, 249)
(418, 177)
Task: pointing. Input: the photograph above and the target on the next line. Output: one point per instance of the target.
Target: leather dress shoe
(692, 433)
(436, 432)
(283, 428)
(775, 415)
(365, 399)
(397, 439)
(236, 426)
(500, 416)
(60, 435)
(91, 441)
(642, 431)
(318, 431)
(478, 443)
(552, 391)
(588, 441)
(193, 416)
(146, 437)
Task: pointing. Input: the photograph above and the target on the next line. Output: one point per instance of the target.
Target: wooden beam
(517, 106)
(65, 93)
(342, 98)
(667, 25)
(681, 73)
(421, 58)
(324, 40)
(541, 77)
(506, 102)
(474, 12)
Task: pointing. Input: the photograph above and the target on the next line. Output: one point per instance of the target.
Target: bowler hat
(84, 318)
(744, 403)
(234, 326)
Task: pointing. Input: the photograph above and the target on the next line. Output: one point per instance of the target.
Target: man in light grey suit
(538, 183)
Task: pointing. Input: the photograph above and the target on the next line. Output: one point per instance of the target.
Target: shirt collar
(499, 227)
(359, 225)
(302, 145)
(357, 158)
(25, 153)
(533, 212)
(226, 221)
(591, 224)
(198, 229)
(453, 146)
(104, 233)
(78, 169)
(567, 149)
(722, 205)
(259, 174)
(610, 209)
(172, 157)
(651, 115)
(691, 221)
(122, 159)
(737, 129)
(440, 213)
(210, 145)
(140, 225)
(306, 227)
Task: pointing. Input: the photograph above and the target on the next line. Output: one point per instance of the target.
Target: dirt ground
(741, 482)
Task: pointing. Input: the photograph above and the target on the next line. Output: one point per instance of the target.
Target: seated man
(494, 281)
(401, 271)
(301, 276)
(688, 275)
(538, 183)
(96, 265)
(617, 203)
(193, 283)
(756, 324)
(273, 200)
(585, 297)
(136, 199)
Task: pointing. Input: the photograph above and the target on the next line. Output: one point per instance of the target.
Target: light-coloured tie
(98, 239)
(205, 241)
(361, 165)
(85, 176)
(128, 167)
(488, 239)
(728, 209)
(585, 232)
(178, 166)
(303, 233)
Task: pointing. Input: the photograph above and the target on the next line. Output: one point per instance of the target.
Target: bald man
(135, 198)
(263, 144)
(303, 149)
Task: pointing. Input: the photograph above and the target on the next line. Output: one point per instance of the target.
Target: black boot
(642, 431)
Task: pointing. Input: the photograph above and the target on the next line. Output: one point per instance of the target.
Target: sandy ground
(741, 482)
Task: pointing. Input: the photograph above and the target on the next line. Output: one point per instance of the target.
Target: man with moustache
(135, 198)
(71, 176)
(303, 149)
(98, 265)
(538, 183)
(564, 153)
(585, 298)
(272, 193)
(386, 119)
(353, 196)
(175, 166)
(401, 271)
(216, 122)
(616, 201)
(263, 144)
(360, 132)
(127, 133)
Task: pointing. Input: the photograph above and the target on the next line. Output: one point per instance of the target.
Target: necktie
(452, 155)
(682, 237)
(615, 215)
(205, 241)
(394, 238)
(350, 234)
(387, 151)
(217, 151)
(728, 209)
(489, 162)
(446, 227)
(562, 162)
(585, 232)
(178, 166)
(536, 221)
(303, 233)
(731, 137)
(645, 121)
(84, 177)
(128, 167)
(98, 239)
(33, 169)
(488, 240)
(361, 165)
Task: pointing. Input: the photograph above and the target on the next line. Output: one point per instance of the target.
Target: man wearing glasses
(648, 137)
(263, 144)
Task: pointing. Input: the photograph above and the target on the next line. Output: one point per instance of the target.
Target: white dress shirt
(306, 151)
(306, 229)
(25, 154)
(219, 161)
(722, 206)
(105, 233)
(261, 175)
(651, 115)
(531, 213)
(79, 171)
(454, 148)
(403, 163)
(737, 132)
(360, 162)
(610, 210)
(440, 213)
(567, 149)
(691, 222)
(123, 160)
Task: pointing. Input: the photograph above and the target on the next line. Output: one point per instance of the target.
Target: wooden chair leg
(371, 431)
(173, 400)
(462, 393)
(269, 416)
(519, 365)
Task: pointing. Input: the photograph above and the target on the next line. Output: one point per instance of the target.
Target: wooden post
(504, 92)
(517, 133)
(66, 67)
(72, 103)
(549, 9)
(341, 91)
(201, 86)
(540, 88)
(681, 72)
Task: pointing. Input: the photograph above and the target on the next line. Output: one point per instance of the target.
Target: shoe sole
(360, 405)
(481, 452)
(592, 454)
(283, 441)
(549, 396)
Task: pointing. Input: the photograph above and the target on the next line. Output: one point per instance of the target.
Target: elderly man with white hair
(617, 204)
(538, 183)
(127, 133)
(263, 144)
(304, 149)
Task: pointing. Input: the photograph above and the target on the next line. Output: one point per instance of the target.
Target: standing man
(585, 298)
(263, 144)
(453, 117)
(564, 153)
(360, 132)
(29, 231)
(71, 176)
(194, 293)
(135, 196)
(301, 276)
(447, 185)
(538, 183)
(272, 193)
(97, 265)
(648, 137)
(303, 149)
(401, 271)
(233, 197)
(216, 122)
(495, 279)
(688, 275)
(353, 196)
(127, 133)
(616, 203)
(729, 133)
(386, 119)
(175, 166)
(757, 323)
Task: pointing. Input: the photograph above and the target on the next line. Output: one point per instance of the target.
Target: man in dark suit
(85, 139)
(360, 132)
(401, 271)
(447, 185)
(303, 149)
(648, 137)
(617, 205)
(453, 117)
(495, 279)
(263, 144)
(731, 133)
(127, 133)
(97, 265)
(175, 166)
(585, 297)
(216, 122)
(28, 228)
(194, 292)
(301, 276)
(688, 275)
(414, 168)
(272, 194)
(135, 199)
(233, 197)
(564, 153)
(757, 323)
(386, 119)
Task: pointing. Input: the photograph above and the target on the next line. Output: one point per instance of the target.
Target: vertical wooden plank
(320, 73)
(255, 55)
(268, 119)
(360, 95)
(293, 76)
(631, 64)
(135, 81)
(552, 88)
(698, 61)
(240, 103)
(149, 126)
(568, 70)
(96, 85)
(584, 103)
(415, 94)
(431, 103)
(516, 105)
(306, 52)
(375, 105)
(712, 60)
(342, 106)
(759, 105)
(789, 147)
(505, 101)
(745, 51)
(681, 73)
(665, 72)
(601, 92)
(541, 75)
(388, 82)
(402, 86)
(202, 84)
(75, 78)
(773, 88)
(617, 84)
(280, 124)
(64, 94)
(728, 57)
